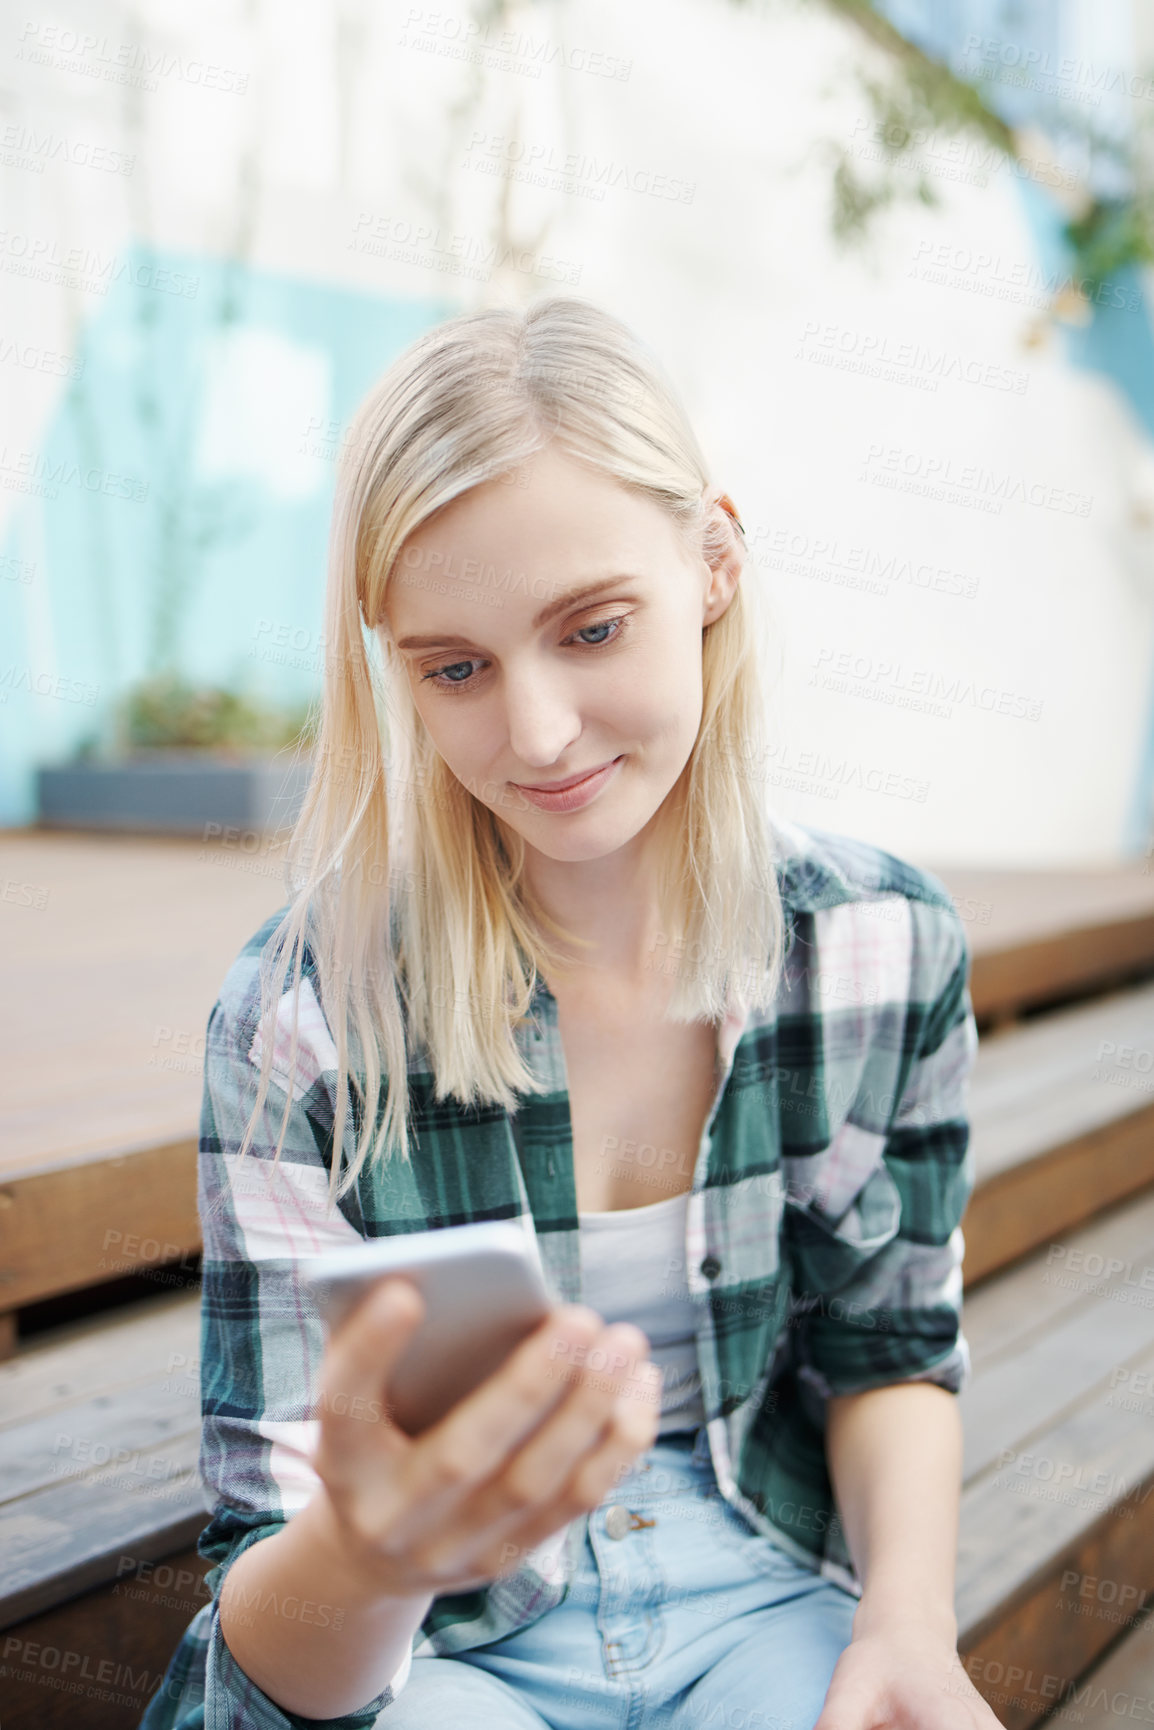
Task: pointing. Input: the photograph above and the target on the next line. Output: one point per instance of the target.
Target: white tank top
(633, 1270)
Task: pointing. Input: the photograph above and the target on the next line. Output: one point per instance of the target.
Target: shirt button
(711, 1267)
(618, 1521)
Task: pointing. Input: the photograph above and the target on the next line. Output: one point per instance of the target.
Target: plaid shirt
(823, 1247)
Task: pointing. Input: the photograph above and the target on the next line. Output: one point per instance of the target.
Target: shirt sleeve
(262, 1337)
(877, 1283)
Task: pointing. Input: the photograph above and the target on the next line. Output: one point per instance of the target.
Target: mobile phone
(483, 1292)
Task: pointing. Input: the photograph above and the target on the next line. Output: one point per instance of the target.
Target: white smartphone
(483, 1293)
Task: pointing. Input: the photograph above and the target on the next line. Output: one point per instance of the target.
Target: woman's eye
(441, 676)
(601, 625)
(440, 672)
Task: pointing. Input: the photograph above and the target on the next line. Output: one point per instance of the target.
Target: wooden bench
(1121, 1685)
(101, 1505)
(1062, 1123)
(115, 973)
(1037, 937)
(98, 1172)
(1059, 1460)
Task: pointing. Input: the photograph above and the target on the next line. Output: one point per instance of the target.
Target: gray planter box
(173, 793)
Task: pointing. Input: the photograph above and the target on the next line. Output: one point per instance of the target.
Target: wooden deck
(111, 982)
(100, 1505)
(1036, 936)
(1062, 1123)
(99, 1434)
(1059, 1464)
(116, 950)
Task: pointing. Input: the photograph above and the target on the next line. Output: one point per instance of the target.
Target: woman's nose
(541, 718)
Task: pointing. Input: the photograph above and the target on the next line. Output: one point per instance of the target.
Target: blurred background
(897, 257)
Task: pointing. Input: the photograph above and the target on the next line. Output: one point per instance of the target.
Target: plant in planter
(167, 713)
(184, 759)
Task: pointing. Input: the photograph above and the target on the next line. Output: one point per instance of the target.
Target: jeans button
(618, 1521)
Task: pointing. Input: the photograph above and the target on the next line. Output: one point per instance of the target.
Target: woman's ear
(727, 504)
(726, 567)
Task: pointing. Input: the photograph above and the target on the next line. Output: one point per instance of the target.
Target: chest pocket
(828, 1253)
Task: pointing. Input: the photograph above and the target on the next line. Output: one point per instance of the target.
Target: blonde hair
(411, 897)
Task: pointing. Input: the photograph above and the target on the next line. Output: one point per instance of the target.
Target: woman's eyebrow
(569, 599)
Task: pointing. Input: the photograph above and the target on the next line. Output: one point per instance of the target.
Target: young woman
(552, 961)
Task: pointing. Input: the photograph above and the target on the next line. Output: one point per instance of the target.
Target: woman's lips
(572, 796)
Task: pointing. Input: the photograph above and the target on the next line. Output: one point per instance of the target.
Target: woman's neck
(611, 903)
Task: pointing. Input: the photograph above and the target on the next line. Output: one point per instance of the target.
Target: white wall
(834, 392)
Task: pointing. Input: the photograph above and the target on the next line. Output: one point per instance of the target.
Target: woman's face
(523, 682)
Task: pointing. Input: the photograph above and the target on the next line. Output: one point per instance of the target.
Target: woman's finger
(567, 1484)
(352, 1400)
(468, 1495)
(449, 1460)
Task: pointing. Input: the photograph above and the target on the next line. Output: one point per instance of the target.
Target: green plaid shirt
(823, 1241)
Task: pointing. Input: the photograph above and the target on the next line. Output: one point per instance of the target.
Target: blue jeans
(691, 1621)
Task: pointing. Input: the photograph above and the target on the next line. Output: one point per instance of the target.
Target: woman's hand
(535, 1446)
(904, 1678)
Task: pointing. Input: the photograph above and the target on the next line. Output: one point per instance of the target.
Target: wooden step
(1121, 1685)
(101, 1506)
(99, 1437)
(116, 947)
(116, 1641)
(1062, 1124)
(1038, 936)
(1059, 1459)
(80, 1223)
(1061, 1399)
